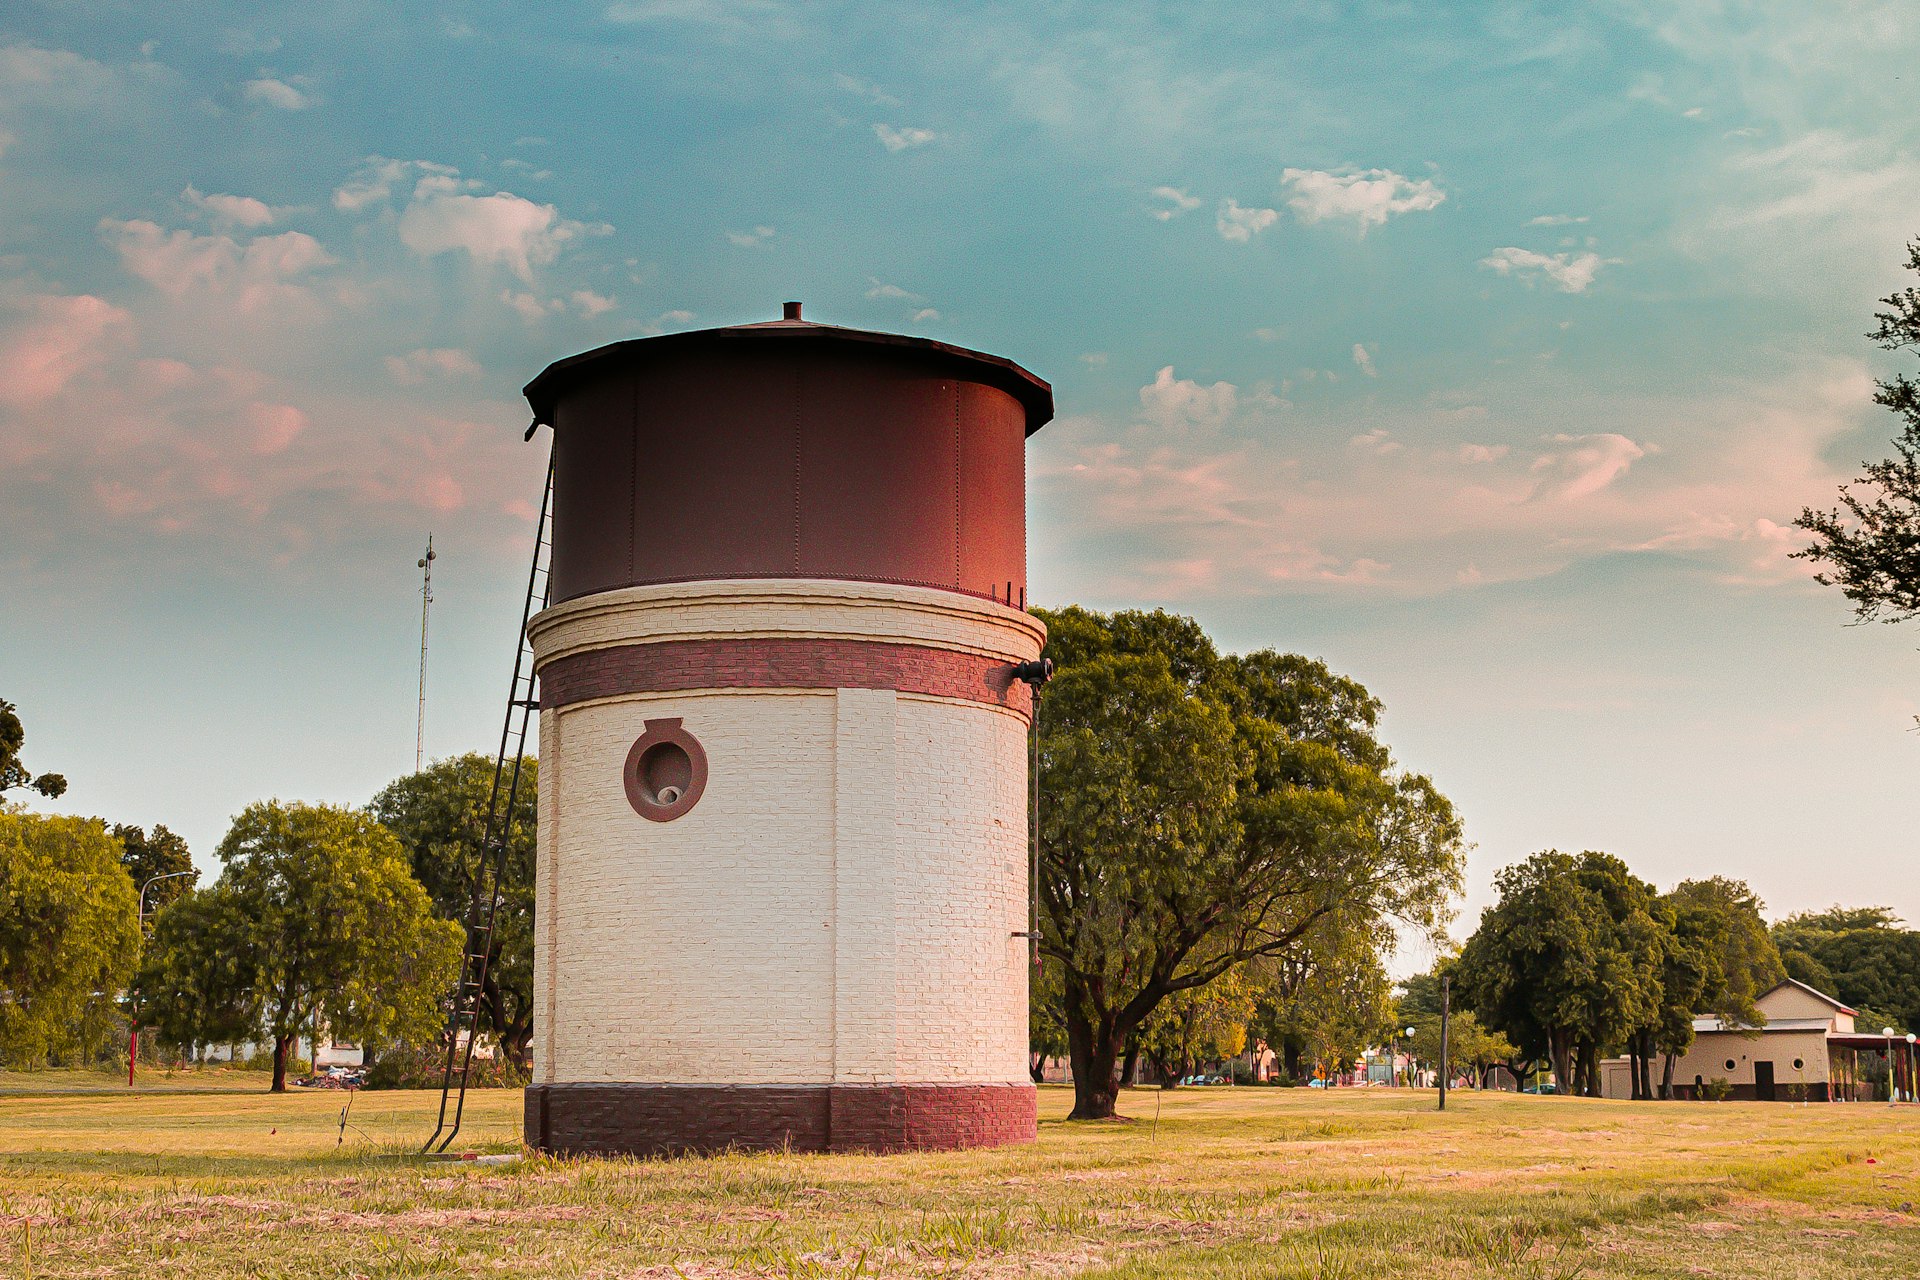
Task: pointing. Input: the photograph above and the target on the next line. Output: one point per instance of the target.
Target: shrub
(262, 1060)
(424, 1068)
(1715, 1090)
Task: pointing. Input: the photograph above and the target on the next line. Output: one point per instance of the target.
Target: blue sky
(1485, 350)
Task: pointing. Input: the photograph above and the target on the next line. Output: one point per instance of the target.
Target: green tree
(1870, 961)
(440, 815)
(1204, 811)
(1716, 957)
(315, 916)
(1328, 999)
(196, 980)
(1471, 1048)
(13, 774)
(1729, 919)
(148, 857)
(1198, 1026)
(1872, 551)
(68, 936)
(1567, 962)
(1046, 1021)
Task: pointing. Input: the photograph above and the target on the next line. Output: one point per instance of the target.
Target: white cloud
(1177, 203)
(1093, 359)
(244, 44)
(427, 363)
(901, 139)
(738, 17)
(748, 239)
(1363, 359)
(532, 172)
(1368, 196)
(1240, 225)
(232, 211)
(1555, 220)
(925, 313)
(892, 292)
(530, 308)
(55, 78)
(1570, 272)
(1577, 467)
(861, 89)
(1181, 402)
(260, 272)
(1377, 441)
(271, 92)
(591, 304)
(500, 228)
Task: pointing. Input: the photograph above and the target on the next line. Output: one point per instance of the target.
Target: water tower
(782, 875)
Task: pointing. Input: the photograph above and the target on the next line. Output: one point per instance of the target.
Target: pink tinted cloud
(1267, 495)
(257, 274)
(53, 339)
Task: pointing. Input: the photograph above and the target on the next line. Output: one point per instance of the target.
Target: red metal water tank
(790, 450)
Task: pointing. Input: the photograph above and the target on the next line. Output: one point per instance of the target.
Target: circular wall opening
(666, 771)
(1799, 1064)
(1729, 1064)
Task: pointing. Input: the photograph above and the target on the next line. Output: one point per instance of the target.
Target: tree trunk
(1094, 1050)
(1290, 1056)
(1130, 1065)
(1037, 1067)
(1590, 1069)
(1666, 1078)
(280, 1046)
(1560, 1049)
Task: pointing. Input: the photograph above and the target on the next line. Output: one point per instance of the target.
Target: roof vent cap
(790, 311)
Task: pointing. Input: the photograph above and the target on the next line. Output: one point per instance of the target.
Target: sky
(1485, 350)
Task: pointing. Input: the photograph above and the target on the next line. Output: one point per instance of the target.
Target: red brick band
(782, 663)
(669, 1119)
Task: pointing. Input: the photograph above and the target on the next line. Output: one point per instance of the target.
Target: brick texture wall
(837, 911)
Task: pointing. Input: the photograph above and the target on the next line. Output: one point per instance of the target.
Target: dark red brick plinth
(668, 1119)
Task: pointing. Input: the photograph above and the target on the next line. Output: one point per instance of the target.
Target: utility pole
(426, 603)
(1446, 1012)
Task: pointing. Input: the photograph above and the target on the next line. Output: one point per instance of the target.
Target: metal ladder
(523, 700)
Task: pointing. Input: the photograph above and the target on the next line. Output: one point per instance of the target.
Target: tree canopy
(1870, 544)
(440, 816)
(14, 774)
(316, 916)
(68, 936)
(149, 857)
(1580, 957)
(1202, 811)
(1861, 956)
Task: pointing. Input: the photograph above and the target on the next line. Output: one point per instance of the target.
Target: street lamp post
(1893, 1090)
(1910, 1039)
(1409, 1034)
(133, 1031)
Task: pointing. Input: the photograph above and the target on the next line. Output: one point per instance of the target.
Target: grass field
(183, 1179)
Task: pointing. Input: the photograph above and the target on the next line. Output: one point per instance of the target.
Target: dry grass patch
(1249, 1182)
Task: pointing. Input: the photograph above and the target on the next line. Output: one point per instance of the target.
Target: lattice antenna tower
(426, 603)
